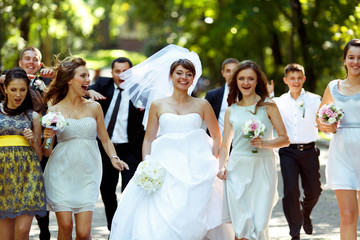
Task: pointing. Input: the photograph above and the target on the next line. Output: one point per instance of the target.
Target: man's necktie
(112, 122)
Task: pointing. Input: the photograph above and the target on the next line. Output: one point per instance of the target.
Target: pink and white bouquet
(149, 175)
(253, 128)
(330, 114)
(54, 120)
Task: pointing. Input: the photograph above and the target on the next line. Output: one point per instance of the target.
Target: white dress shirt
(300, 121)
(224, 105)
(120, 128)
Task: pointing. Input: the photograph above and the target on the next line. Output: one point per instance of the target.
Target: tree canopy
(270, 32)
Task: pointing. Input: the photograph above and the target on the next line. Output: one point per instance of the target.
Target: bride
(187, 205)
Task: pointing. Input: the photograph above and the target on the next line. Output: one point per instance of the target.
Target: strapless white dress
(188, 204)
(73, 173)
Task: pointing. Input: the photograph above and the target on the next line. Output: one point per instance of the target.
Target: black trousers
(110, 177)
(295, 163)
(43, 222)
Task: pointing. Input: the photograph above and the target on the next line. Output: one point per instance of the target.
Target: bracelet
(115, 157)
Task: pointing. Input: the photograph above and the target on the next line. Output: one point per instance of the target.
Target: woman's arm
(225, 146)
(151, 129)
(105, 140)
(34, 135)
(327, 98)
(282, 140)
(213, 126)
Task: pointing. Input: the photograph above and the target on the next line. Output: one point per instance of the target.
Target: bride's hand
(222, 174)
(119, 164)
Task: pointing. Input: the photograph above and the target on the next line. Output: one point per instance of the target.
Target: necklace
(69, 113)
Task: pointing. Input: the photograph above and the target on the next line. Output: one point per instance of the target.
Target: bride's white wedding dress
(188, 204)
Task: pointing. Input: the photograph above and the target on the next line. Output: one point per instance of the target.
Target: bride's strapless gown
(190, 201)
(73, 173)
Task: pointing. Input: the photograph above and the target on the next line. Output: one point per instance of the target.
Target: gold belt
(13, 140)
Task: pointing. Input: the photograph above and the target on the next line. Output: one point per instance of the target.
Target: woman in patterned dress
(22, 191)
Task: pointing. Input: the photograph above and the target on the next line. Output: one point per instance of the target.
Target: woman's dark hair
(351, 43)
(260, 89)
(31, 98)
(65, 71)
(187, 64)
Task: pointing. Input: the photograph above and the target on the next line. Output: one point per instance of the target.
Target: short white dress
(343, 167)
(250, 191)
(73, 172)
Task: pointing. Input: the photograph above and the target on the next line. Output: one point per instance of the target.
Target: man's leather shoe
(307, 225)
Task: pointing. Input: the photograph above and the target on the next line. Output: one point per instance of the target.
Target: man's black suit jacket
(215, 97)
(135, 129)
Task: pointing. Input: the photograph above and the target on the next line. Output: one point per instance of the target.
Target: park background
(270, 32)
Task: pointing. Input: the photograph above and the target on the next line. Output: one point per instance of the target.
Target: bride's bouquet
(253, 128)
(149, 175)
(54, 120)
(330, 114)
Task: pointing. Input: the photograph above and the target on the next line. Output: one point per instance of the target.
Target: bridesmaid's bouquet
(149, 175)
(54, 120)
(253, 128)
(330, 114)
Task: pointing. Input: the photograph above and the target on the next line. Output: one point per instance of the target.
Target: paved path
(325, 215)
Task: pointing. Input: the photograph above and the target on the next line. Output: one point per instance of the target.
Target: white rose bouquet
(330, 114)
(253, 128)
(149, 175)
(54, 120)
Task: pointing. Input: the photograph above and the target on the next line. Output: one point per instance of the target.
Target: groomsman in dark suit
(124, 124)
(218, 97)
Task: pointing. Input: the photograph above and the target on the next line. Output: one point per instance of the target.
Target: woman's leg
(7, 228)
(65, 224)
(83, 222)
(348, 208)
(22, 227)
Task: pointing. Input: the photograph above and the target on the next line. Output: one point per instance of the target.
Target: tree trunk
(304, 46)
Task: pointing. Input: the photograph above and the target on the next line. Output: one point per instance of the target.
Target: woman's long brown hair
(65, 71)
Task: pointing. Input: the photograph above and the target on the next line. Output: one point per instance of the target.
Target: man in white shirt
(298, 109)
(218, 97)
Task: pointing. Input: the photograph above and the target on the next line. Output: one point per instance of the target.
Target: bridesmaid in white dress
(73, 173)
(250, 189)
(343, 169)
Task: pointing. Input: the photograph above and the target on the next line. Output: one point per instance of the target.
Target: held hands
(257, 142)
(222, 174)
(118, 164)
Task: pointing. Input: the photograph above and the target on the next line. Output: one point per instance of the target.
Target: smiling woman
(22, 193)
(72, 177)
